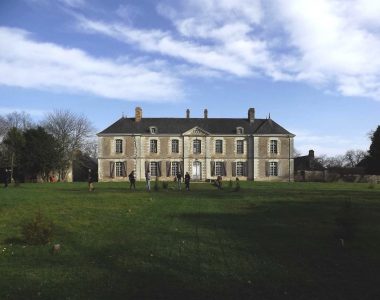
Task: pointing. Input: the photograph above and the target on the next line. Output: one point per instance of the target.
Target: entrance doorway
(197, 170)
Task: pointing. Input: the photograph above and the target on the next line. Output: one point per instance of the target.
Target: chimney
(205, 113)
(251, 115)
(187, 113)
(138, 114)
(311, 153)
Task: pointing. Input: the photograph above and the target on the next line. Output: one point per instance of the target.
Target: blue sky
(313, 65)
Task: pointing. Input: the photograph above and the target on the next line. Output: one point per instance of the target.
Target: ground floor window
(153, 168)
(175, 168)
(240, 169)
(119, 169)
(219, 168)
(273, 169)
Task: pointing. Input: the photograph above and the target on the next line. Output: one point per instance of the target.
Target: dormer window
(239, 130)
(153, 129)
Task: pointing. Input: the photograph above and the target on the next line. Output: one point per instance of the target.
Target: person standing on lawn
(179, 180)
(6, 177)
(132, 180)
(90, 181)
(187, 181)
(147, 179)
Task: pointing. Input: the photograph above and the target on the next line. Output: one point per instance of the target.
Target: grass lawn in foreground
(266, 241)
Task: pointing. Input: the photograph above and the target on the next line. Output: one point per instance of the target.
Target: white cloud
(30, 64)
(332, 44)
(335, 44)
(327, 144)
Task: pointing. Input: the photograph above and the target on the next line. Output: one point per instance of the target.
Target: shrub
(165, 185)
(38, 231)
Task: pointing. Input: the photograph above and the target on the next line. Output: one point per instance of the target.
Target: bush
(38, 231)
(165, 185)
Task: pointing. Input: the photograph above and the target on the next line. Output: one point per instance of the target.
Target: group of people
(178, 179)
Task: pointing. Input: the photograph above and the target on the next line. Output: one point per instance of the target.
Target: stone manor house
(247, 148)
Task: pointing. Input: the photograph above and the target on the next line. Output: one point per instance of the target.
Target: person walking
(90, 181)
(179, 180)
(147, 179)
(219, 182)
(132, 180)
(187, 181)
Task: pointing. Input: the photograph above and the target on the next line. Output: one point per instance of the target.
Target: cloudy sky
(313, 65)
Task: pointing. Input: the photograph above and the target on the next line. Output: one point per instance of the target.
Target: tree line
(36, 150)
(369, 160)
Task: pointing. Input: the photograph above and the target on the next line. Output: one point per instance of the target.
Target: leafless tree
(353, 157)
(72, 132)
(19, 120)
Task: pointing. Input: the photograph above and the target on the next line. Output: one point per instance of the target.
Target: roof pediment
(196, 131)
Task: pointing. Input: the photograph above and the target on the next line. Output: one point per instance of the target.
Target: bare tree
(353, 157)
(72, 132)
(19, 120)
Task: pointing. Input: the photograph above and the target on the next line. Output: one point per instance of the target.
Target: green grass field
(266, 241)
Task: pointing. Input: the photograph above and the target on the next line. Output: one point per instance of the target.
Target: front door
(197, 170)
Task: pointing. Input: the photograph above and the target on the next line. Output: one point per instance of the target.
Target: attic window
(153, 129)
(239, 130)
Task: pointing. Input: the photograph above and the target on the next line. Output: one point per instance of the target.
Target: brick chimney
(251, 115)
(205, 112)
(311, 154)
(187, 113)
(138, 114)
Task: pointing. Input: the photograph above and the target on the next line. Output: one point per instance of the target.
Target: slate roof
(181, 125)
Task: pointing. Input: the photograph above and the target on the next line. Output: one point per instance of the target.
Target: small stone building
(246, 148)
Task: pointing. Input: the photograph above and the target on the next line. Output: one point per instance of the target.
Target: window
(153, 169)
(219, 168)
(153, 146)
(175, 146)
(119, 146)
(119, 169)
(239, 147)
(197, 146)
(218, 146)
(175, 168)
(153, 130)
(273, 169)
(239, 130)
(240, 169)
(273, 147)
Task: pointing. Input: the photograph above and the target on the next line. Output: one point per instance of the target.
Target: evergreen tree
(41, 153)
(373, 159)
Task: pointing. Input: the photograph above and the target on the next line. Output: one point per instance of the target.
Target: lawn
(266, 241)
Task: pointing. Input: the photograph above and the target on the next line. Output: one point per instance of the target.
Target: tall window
(153, 168)
(119, 146)
(218, 146)
(175, 168)
(240, 169)
(273, 146)
(273, 169)
(240, 147)
(175, 146)
(119, 169)
(218, 168)
(197, 146)
(153, 146)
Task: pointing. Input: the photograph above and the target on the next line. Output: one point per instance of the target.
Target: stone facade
(246, 155)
